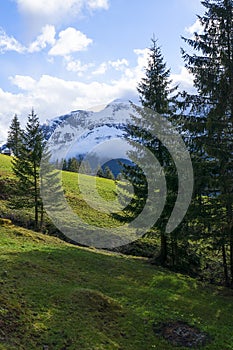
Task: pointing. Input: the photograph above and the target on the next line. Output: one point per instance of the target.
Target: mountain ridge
(81, 132)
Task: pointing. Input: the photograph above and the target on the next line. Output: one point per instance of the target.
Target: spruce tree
(26, 168)
(155, 88)
(212, 116)
(99, 171)
(73, 165)
(85, 167)
(155, 93)
(108, 174)
(65, 165)
(51, 189)
(14, 138)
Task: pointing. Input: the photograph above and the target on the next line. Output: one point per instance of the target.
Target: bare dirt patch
(179, 333)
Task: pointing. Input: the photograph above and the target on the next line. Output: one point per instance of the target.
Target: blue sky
(63, 55)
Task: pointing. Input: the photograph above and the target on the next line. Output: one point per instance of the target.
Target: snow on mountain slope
(82, 132)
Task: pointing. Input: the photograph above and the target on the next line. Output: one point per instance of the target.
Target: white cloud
(98, 4)
(184, 79)
(77, 66)
(102, 69)
(143, 56)
(11, 104)
(57, 10)
(46, 37)
(9, 43)
(119, 65)
(23, 82)
(195, 28)
(70, 40)
(52, 96)
(139, 70)
(44, 7)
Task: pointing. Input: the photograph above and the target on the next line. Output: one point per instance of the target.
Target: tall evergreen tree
(99, 171)
(51, 189)
(84, 167)
(14, 139)
(155, 93)
(72, 165)
(155, 88)
(65, 165)
(212, 108)
(108, 173)
(26, 167)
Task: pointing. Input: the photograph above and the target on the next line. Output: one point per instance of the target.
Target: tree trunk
(36, 215)
(230, 235)
(231, 261)
(41, 216)
(36, 204)
(225, 267)
(174, 252)
(163, 249)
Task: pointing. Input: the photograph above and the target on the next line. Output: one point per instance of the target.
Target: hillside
(103, 199)
(57, 296)
(5, 165)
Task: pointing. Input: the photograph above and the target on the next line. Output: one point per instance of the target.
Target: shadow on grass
(60, 297)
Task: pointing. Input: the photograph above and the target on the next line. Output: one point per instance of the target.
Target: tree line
(79, 165)
(205, 119)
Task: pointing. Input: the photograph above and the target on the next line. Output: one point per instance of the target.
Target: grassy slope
(70, 298)
(101, 192)
(95, 205)
(65, 297)
(106, 189)
(5, 165)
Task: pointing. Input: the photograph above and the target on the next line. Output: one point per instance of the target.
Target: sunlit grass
(5, 165)
(94, 200)
(57, 295)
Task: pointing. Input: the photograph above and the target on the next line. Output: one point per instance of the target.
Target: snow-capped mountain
(82, 132)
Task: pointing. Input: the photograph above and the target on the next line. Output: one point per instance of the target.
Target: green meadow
(57, 296)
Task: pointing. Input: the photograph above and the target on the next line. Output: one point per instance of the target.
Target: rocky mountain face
(98, 135)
